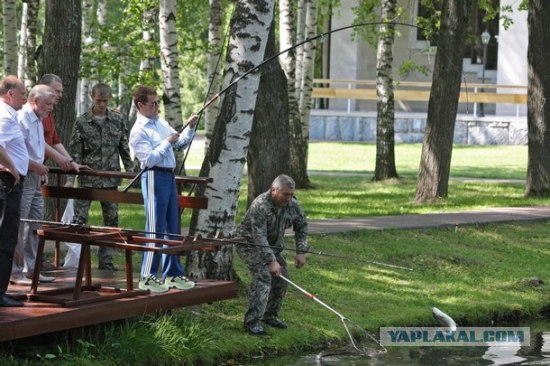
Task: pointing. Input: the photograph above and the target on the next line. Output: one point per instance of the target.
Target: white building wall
(343, 51)
(512, 57)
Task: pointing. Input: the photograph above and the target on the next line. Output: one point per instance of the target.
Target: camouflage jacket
(264, 225)
(100, 145)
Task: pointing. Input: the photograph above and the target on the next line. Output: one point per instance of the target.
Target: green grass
(497, 162)
(358, 196)
(475, 273)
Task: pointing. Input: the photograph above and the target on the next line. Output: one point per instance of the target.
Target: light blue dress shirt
(148, 141)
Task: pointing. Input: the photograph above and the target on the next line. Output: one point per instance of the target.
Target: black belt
(5, 172)
(162, 169)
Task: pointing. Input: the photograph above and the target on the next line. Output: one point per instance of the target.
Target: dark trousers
(10, 211)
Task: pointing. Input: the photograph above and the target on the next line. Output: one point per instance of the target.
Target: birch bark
(228, 149)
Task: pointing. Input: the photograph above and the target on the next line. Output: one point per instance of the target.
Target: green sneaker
(180, 282)
(152, 284)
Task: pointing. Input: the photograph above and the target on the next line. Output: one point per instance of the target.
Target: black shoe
(258, 330)
(107, 267)
(276, 323)
(8, 301)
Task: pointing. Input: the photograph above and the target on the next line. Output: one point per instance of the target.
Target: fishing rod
(221, 241)
(266, 61)
(214, 98)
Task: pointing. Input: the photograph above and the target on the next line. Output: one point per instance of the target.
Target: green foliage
(409, 67)
(119, 47)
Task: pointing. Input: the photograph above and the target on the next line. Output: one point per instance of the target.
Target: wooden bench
(122, 239)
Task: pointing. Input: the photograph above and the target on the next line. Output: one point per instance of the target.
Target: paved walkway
(490, 215)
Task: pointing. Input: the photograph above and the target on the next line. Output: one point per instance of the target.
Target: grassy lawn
(477, 274)
(497, 162)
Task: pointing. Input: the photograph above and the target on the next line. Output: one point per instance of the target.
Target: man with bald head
(39, 105)
(13, 170)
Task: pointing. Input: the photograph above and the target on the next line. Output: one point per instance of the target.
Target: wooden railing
(418, 91)
(59, 192)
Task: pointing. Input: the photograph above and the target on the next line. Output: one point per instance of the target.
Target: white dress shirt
(11, 139)
(33, 132)
(148, 141)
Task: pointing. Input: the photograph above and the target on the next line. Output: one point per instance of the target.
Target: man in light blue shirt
(39, 105)
(153, 140)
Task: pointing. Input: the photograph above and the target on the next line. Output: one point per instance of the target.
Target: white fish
(444, 319)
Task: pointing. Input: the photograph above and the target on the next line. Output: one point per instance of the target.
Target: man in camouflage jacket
(99, 138)
(264, 227)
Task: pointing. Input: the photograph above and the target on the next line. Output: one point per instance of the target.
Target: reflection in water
(503, 355)
(537, 353)
(545, 346)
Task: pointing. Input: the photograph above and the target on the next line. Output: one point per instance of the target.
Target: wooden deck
(39, 317)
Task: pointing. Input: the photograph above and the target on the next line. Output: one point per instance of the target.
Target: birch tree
(147, 65)
(169, 63)
(87, 37)
(305, 65)
(288, 60)
(385, 120)
(9, 16)
(226, 156)
(22, 50)
(33, 8)
(215, 47)
(538, 94)
(435, 161)
(150, 50)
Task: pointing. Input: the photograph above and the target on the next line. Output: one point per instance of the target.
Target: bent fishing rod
(214, 98)
(269, 59)
(221, 241)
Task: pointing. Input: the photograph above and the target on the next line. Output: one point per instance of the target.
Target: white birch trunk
(308, 65)
(147, 63)
(22, 59)
(213, 67)
(385, 131)
(286, 41)
(84, 101)
(300, 37)
(169, 63)
(249, 33)
(33, 7)
(9, 14)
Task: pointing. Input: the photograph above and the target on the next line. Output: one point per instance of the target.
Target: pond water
(537, 353)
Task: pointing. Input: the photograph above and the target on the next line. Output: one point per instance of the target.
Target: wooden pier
(44, 317)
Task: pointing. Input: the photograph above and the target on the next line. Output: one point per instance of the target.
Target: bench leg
(38, 264)
(129, 273)
(82, 264)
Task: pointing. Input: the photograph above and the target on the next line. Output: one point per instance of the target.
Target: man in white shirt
(153, 141)
(13, 169)
(39, 105)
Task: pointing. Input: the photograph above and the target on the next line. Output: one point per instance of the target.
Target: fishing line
(215, 239)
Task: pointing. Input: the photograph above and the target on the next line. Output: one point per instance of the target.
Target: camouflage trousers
(266, 292)
(110, 218)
